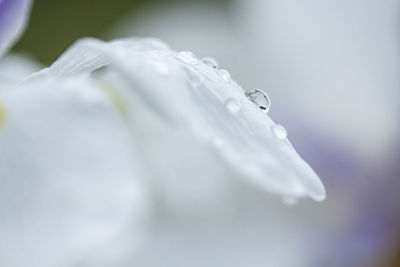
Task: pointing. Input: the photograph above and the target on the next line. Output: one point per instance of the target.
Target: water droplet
(187, 57)
(225, 75)
(290, 201)
(232, 105)
(279, 131)
(210, 61)
(259, 98)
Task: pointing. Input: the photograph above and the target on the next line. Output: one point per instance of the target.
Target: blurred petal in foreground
(67, 170)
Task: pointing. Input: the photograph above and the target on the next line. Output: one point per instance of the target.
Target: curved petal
(196, 97)
(13, 17)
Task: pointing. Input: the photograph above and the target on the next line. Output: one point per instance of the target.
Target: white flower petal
(15, 67)
(67, 172)
(193, 96)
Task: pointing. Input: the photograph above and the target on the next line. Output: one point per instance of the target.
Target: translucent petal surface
(13, 15)
(15, 67)
(192, 95)
(67, 173)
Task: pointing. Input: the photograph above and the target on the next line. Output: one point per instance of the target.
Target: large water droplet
(187, 57)
(259, 98)
(232, 105)
(210, 61)
(225, 75)
(279, 131)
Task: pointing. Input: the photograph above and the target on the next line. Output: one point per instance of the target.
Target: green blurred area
(56, 24)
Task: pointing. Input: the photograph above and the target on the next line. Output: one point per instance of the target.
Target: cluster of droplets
(256, 96)
(189, 58)
(233, 106)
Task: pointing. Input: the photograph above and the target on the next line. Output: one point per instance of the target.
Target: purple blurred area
(13, 14)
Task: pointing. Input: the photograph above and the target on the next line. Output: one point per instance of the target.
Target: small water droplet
(290, 201)
(232, 105)
(279, 131)
(225, 75)
(187, 57)
(210, 61)
(259, 98)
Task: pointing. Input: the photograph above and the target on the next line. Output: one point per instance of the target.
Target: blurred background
(331, 69)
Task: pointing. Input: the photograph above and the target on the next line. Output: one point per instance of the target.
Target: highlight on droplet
(187, 57)
(225, 75)
(279, 131)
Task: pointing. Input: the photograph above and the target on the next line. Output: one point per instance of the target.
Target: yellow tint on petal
(115, 97)
(2, 115)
